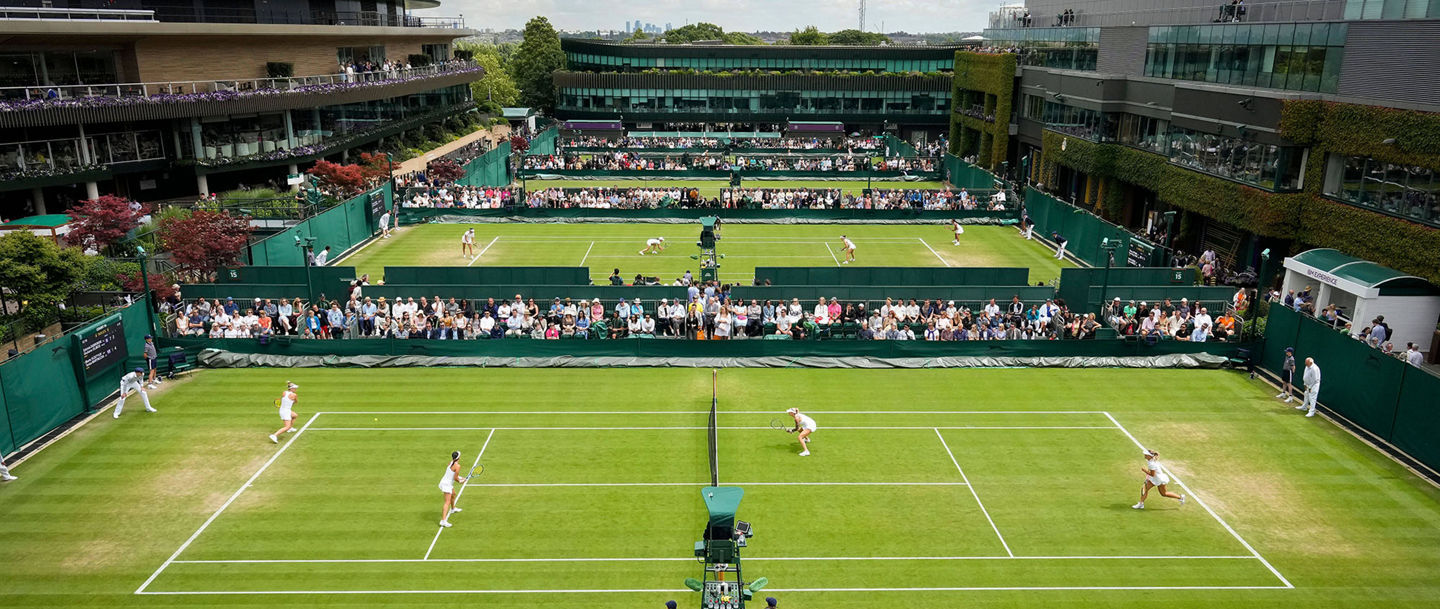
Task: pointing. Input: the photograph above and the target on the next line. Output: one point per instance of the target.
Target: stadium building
(902, 90)
(1262, 124)
(154, 99)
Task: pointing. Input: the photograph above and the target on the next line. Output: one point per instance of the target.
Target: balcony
(40, 106)
(271, 13)
(1288, 11)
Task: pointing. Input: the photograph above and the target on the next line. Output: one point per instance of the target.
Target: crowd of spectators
(365, 70)
(1167, 320)
(450, 196)
(851, 144)
(708, 312)
(624, 161)
(834, 198)
(1376, 333)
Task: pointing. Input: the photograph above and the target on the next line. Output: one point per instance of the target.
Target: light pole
(1109, 246)
(149, 303)
(305, 245)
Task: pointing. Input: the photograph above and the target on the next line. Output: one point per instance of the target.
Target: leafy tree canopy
(535, 62)
(810, 36)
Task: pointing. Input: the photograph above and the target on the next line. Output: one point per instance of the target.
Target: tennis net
(714, 429)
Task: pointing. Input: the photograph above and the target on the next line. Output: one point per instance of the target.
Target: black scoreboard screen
(101, 346)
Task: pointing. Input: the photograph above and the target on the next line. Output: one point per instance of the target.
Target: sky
(914, 16)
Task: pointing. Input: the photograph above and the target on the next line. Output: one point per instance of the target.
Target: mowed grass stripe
(604, 247)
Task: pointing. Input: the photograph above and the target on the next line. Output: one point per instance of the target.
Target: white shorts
(1160, 480)
(447, 488)
(809, 428)
(285, 414)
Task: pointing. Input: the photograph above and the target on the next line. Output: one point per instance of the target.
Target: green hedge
(991, 74)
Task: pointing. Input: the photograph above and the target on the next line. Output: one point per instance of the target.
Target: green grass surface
(608, 464)
(603, 247)
(711, 188)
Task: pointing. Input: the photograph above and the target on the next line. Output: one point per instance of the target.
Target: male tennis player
(805, 425)
(653, 245)
(848, 247)
(135, 381)
(467, 244)
(286, 404)
(447, 486)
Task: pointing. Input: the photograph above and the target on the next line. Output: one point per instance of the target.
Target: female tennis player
(1155, 476)
(467, 245)
(286, 404)
(447, 486)
(654, 245)
(848, 247)
(805, 425)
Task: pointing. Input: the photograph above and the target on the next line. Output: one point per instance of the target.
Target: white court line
(932, 250)
(687, 590)
(1176, 479)
(482, 252)
(460, 492)
(227, 503)
(972, 492)
(760, 427)
(699, 484)
(727, 256)
(633, 412)
(692, 559)
(587, 253)
(832, 253)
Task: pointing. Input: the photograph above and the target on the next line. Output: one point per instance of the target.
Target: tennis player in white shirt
(959, 229)
(806, 426)
(848, 247)
(286, 404)
(1155, 477)
(467, 244)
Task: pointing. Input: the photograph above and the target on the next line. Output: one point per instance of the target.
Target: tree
(159, 284)
(811, 35)
(535, 63)
(38, 275)
(340, 181)
(636, 36)
(497, 85)
(741, 38)
(205, 241)
(444, 170)
(694, 32)
(374, 168)
(98, 223)
(858, 38)
(519, 145)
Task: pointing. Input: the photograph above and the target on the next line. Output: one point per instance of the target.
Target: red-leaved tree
(204, 242)
(161, 286)
(444, 171)
(518, 144)
(98, 223)
(374, 168)
(341, 181)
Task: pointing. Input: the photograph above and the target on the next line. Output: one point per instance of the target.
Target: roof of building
(46, 221)
(517, 113)
(1358, 271)
(601, 47)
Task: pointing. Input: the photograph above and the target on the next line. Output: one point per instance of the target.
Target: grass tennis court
(711, 188)
(925, 489)
(604, 247)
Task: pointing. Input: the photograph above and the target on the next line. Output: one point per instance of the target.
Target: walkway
(496, 134)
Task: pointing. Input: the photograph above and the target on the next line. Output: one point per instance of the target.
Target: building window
(1391, 9)
(1267, 166)
(1068, 48)
(1402, 190)
(1143, 132)
(1293, 56)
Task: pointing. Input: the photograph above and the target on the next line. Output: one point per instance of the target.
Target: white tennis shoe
(805, 453)
(1139, 506)
(455, 510)
(274, 439)
(445, 523)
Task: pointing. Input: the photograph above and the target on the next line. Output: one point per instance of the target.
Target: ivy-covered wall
(991, 74)
(1308, 217)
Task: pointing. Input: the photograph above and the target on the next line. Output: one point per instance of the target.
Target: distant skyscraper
(668, 27)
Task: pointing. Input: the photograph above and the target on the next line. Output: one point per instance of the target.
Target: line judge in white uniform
(5, 471)
(1312, 387)
(133, 382)
(806, 426)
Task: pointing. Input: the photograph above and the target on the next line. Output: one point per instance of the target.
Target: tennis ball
(377, 419)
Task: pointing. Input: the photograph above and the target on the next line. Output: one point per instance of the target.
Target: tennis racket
(477, 470)
(776, 424)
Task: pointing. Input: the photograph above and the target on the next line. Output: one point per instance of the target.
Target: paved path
(495, 134)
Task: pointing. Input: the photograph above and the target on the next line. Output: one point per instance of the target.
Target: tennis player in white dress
(467, 244)
(286, 404)
(447, 486)
(958, 228)
(848, 247)
(653, 245)
(1155, 476)
(806, 426)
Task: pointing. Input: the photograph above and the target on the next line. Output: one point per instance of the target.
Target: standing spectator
(1413, 355)
(1379, 331)
(1312, 387)
(1287, 376)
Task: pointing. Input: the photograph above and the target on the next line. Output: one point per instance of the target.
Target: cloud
(916, 16)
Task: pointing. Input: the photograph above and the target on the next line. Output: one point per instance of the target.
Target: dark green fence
(908, 276)
(1012, 216)
(692, 348)
(473, 275)
(1080, 287)
(964, 175)
(340, 227)
(544, 142)
(1389, 398)
(1084, 232)
(489, 169)
(41, 389)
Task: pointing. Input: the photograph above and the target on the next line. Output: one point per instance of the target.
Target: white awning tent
(1363, 290)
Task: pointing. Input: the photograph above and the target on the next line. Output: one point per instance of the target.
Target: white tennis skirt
(1158, 480)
